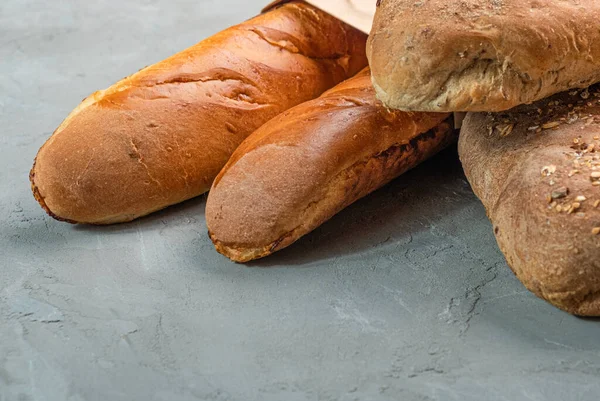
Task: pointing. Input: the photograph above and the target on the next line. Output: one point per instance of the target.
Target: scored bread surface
(304, 166)
(160, 136)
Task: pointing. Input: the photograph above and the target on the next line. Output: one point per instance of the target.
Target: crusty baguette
(537, 171)
(160, 136)
(307, 164)
(482, 55)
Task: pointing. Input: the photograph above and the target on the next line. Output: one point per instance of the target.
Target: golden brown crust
(481, 55)
(38, 197)
(534, 169)
(304, 166)
(160, 136)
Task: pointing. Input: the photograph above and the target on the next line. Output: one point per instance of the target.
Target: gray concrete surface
(404, 296)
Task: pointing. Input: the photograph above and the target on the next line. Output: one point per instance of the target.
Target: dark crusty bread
(307, 164)
(537, 171)
(482, 55)
(160, 136)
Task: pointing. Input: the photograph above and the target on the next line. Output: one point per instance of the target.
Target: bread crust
(482, 55)
(160, 136)
(533, 168)
(306, 165)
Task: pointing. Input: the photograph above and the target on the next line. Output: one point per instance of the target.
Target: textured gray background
(404, 296)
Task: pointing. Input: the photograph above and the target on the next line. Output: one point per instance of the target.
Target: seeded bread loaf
(307, 164)
(161, 136)
(482, 55)
(537, 171)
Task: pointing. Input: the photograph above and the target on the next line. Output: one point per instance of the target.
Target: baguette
(482, 55)
(537, 171)
(307, 164)
(160, 136)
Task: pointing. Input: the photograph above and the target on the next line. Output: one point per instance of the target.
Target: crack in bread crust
(201, 102)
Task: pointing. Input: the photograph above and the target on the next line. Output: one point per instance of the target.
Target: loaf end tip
(40, 199)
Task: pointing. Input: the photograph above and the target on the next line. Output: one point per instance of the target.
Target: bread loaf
(160, 136)
(307, 164)
(482, 55)
(537, 171)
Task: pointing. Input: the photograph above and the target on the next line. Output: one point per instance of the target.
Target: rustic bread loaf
(482, 55)
(307, 164)
(160, 136)
(537, 171)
